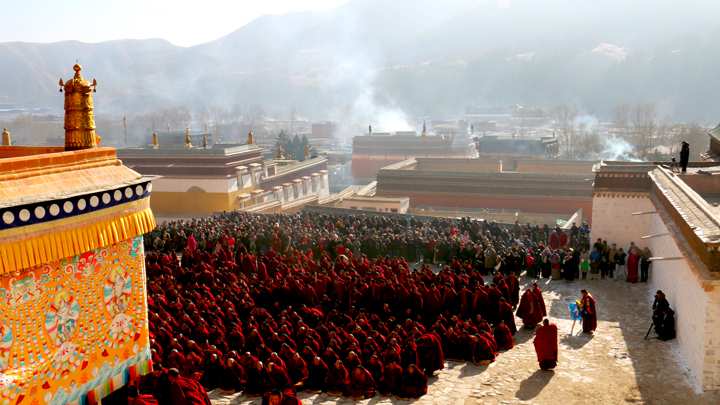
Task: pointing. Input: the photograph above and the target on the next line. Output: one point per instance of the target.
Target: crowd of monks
(302, 308)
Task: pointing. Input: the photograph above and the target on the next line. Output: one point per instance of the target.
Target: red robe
(503, 337)
(529, 309)
(482, 349)
(589, 317)
(185, 391)
(546, 346)
(413, 385)
(362, 385)
(541, 300)
(514, 286)
(632, 267)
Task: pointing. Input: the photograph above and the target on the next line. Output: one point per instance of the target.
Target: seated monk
(430, 354)
(184, 391)
(297, 368)
(361, 384)
(413, 384)
(482, 350)
(278, 398)
(257, 381)
(317, 376)
(234, 378)
(390, 382)
(337, 379)
(278, 378)
(503, 336)
(375, 368)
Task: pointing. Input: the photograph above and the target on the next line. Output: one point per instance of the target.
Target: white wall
(684, 292)
(612, 219)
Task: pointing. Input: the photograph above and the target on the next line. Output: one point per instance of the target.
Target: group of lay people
(286, 320)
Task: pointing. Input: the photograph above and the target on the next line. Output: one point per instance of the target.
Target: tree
(642, 117)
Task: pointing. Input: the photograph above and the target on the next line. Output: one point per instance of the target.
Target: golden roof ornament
(250, 138)
(280, 153)
(6, 138)
(307, 150)
(188, 143)
(155, 142)
(204, 141)
(79, 118)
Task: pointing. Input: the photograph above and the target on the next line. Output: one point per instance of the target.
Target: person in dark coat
(684, 156)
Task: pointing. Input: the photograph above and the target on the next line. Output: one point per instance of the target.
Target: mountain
(420, 57)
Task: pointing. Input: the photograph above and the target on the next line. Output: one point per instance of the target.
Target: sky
(182, 22)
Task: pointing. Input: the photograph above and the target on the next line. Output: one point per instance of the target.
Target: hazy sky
(181, 22)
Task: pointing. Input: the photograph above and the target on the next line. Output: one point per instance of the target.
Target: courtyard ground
(615, 365)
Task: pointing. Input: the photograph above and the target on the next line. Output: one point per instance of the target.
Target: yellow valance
(49, 247)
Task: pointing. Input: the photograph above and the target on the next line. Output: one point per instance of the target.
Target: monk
(482, 350)
(233, 379)
(633, 262)
(413, 384)
(135, 398)
(278, 378)
(503, 336)
(546, 345)
(589, 316)
(529, 310)
(317, 376)
(257, 381)
(278, 398)
(505, 313)
(185, 391)
(297, 368)
(391, 380)
(361, 385)
(514, 286)
(430, 354)
(541, 300)
(337, 379)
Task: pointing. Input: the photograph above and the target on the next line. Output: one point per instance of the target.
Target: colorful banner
(70, 328)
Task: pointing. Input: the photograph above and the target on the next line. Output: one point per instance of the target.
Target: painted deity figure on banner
(24, 290)
(61, 318)
(117, 291)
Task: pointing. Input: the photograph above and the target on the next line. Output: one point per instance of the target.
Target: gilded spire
(280, 153)
(6, 138)
(79, 118)
(155, 142)
(307, 150)
(250, 138)
(204, 141)
(188, 143)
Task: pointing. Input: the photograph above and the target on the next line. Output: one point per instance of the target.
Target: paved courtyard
(613, 366)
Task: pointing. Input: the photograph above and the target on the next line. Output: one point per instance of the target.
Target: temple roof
(715, 133)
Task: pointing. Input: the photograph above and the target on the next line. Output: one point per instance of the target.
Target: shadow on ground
(531, 387)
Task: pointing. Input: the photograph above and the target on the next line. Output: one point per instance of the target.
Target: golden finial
(79, 118)
(307, 150)
(6, 138)
(204, 141)
(279, 152)
(155, 142)
(188, 143)
(250, 138)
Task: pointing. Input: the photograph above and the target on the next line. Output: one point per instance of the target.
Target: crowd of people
(329, 303)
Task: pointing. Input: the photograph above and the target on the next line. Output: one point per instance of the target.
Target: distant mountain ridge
(422, 56)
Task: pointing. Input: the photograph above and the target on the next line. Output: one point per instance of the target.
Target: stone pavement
(612, 366)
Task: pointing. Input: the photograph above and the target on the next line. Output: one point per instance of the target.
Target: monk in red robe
(361, 384)
(546, 345)
(514, 286)
(278, 398)
(317, 376)
(185, 391)
(337, 379)
(589, 316)
(503, 336)
(413, 384)
(135, 398)
(482, 350)
(392, 377)
(541, 300)
(529, 310)
(633, 263)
